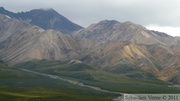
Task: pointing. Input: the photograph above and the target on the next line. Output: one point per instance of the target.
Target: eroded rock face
(108, 45)
(21, 41)
(110, 30)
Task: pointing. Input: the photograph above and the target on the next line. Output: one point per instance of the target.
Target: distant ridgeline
(46, 19)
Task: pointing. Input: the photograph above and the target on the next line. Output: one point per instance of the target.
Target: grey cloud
(86, 12)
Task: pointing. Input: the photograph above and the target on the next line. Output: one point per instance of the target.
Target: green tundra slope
(19, 85)
(76, 70)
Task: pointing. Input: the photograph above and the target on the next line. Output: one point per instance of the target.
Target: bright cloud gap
(173, 31)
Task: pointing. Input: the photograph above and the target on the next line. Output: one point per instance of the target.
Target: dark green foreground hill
(18, 85)
(76, 70)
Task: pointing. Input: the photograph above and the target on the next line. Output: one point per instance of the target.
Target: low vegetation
(96, 77)
(17, 85)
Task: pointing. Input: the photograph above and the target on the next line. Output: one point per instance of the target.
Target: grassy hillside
(18, 85)
(132, 72)
(96, 77)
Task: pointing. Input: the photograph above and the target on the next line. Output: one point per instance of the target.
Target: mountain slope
(111, 30)
(122, 48)
(152, 51)
(46, 19)
(21, 41)
(113, 54)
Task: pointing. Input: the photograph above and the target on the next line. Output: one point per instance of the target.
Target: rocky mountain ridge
(44, 18)
(131, 45)
(109, 45)
(111, 30)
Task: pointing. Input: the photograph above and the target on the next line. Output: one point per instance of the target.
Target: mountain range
(44, 18)
(122, 48)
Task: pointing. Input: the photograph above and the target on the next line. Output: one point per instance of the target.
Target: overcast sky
(161, 15)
